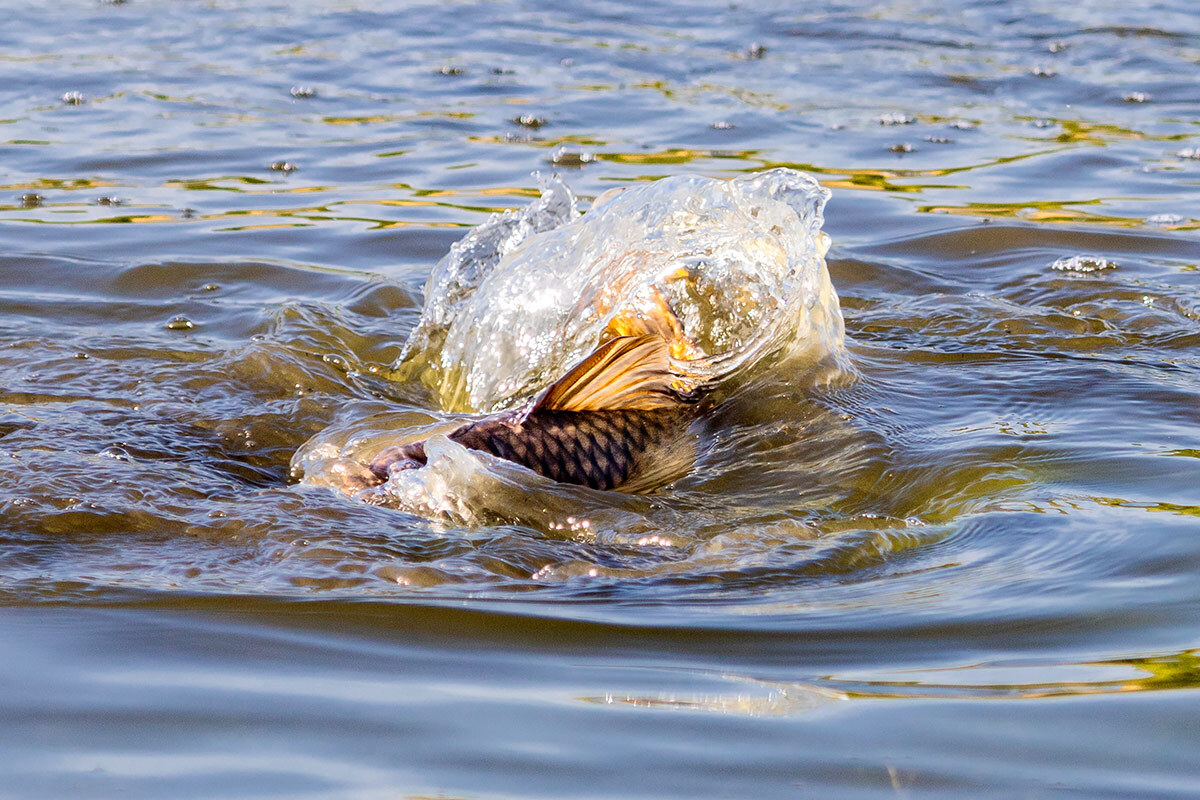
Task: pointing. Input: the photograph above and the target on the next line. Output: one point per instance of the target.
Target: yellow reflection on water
(1179, 670)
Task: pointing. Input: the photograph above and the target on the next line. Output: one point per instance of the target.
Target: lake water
(963, 564)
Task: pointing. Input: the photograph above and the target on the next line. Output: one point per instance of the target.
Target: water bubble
(566, 62)
(755, 51)
(1164, 220)
(939, 140)
(502, 71)
(1040, 71)
(336, 361)
(451, 70)
(903, 147)
(722, 125)
(530, 121)
(187, 213)
(115, 452)
(1135, 97)
(109, 201)
(1056, 46)
(1083, 264)
(209, 287)
(1192, 153)
(180, 324)
(303, 92)
(566, 156)
(964, 125)
(1044, 123)
(73, 98)
(896, 118)
(31, 200)
(284, 166)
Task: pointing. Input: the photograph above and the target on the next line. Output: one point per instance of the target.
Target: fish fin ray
(628, 372)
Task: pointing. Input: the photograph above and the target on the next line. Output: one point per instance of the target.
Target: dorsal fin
(629, 372)
(650, 314)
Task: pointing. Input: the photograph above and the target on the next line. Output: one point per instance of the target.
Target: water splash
(1083, 264)
(521, 297)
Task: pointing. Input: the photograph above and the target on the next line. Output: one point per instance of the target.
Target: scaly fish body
(616, 420)
(606, 449)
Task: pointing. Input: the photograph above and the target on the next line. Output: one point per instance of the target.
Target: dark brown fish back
(612, 422)
(599, 449)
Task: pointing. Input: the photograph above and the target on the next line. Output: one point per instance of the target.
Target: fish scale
(605, 424)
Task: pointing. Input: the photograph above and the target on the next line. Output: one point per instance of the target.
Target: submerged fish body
(617, 420)
(621, 449)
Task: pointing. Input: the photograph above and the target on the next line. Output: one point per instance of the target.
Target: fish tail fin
(627, 372)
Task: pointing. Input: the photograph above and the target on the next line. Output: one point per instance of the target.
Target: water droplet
(1135, 97)
(303, 92)
(31, 200)
(209, 287)
(81, 356)
(896, 118)
(180, 324)
(1083, 264)
(74, 98)
(904, 147)
(284, 166)
(530, 121)
(568, 157)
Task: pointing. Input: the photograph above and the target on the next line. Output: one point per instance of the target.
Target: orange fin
(628, 372)
(651, 314)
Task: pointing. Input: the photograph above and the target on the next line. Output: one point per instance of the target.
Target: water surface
(965, 564)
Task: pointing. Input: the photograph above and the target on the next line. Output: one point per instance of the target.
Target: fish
(618, 420)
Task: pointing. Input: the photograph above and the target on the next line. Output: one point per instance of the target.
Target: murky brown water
(965, 564)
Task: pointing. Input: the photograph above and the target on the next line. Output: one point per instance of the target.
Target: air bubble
(568, 157)
(530, 121)
(1083, 264)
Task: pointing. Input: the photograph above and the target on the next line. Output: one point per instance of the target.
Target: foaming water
(956, 559)
(524, 296)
